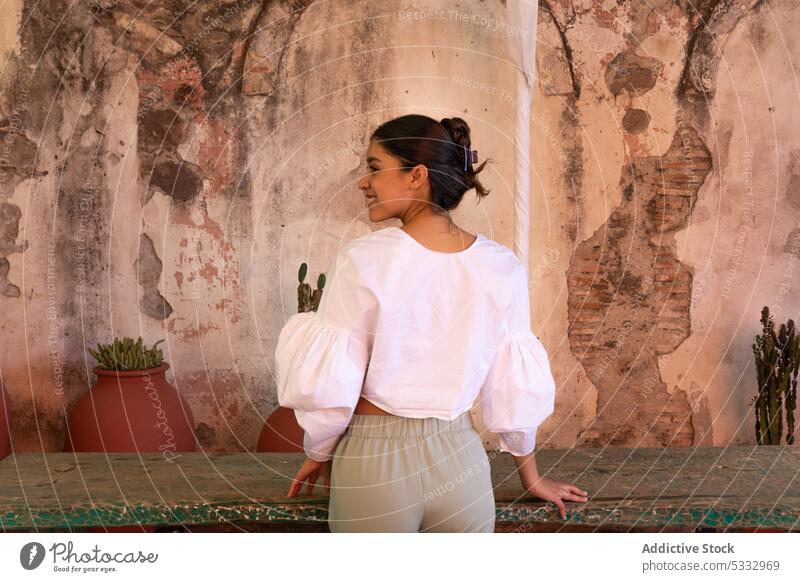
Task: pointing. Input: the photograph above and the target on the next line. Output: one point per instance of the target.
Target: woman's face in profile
(388, 190)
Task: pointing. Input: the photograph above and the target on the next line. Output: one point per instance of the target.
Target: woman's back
(419, 334)
(436, 325)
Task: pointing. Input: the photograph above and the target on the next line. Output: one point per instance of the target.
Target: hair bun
(458, 130)
(418, 139)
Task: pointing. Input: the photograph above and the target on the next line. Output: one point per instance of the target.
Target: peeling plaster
(148, 270)
(10, 215)
(633, 73)
(627, 307)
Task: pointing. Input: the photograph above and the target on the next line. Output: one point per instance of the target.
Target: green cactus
(316, 296)
(125, 354)
(308, 299)
(777, 359)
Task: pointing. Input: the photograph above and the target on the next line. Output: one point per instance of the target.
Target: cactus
(126, 354)
(316, 296)
(308, 299)
(303, 291)
(777, 359)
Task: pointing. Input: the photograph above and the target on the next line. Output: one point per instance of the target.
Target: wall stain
(704, 49)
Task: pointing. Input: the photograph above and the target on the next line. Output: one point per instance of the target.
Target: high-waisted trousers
(398, 474)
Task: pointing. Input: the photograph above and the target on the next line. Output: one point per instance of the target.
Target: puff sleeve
(321, 357)
(518, 393)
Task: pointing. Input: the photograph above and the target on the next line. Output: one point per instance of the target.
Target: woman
(414, 324)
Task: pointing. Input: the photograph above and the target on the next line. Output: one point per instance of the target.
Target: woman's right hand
(556, 492)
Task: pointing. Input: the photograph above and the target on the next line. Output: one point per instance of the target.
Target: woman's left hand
(309, 472)
(556, 492)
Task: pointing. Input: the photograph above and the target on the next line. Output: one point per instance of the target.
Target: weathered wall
(169, 165)
(673, 215)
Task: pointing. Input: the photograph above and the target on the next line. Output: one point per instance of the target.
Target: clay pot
(135, 411)
(129, 412)
(281, 433)
(5, 424)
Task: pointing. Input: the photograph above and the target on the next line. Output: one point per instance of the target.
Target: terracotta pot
(129, 412)
(5, 424)
(281, 433)
(134, 411)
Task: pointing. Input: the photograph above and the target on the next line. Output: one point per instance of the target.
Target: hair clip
(471, 156)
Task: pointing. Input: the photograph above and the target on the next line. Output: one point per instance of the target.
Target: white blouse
(419, 333)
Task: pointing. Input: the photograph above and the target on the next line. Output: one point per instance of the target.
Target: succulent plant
(125, 354)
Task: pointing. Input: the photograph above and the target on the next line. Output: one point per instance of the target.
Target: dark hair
(440, 147)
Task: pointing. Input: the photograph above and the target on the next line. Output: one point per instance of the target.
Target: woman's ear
(418, 176)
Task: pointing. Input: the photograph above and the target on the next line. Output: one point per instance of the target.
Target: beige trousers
(397, 474)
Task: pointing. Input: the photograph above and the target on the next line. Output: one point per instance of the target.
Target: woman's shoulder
(362, 258)
(501, 257)
(371, 241)
(366, 249)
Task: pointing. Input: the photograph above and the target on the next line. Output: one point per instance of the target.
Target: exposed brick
(586, 316)
(599, 306)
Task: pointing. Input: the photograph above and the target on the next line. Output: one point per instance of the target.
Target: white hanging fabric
(521, 17)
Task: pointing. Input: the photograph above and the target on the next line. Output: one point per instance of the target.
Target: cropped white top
(419, 333)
